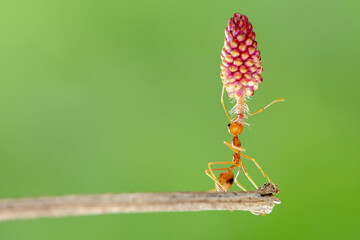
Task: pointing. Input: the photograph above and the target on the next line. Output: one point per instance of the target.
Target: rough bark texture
(258, 202)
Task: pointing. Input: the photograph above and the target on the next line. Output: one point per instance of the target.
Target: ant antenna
(275, 101)
(222, 102)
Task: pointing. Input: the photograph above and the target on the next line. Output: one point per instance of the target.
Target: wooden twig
(258, 202)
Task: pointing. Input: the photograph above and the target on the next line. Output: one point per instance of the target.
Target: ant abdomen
(226, 179)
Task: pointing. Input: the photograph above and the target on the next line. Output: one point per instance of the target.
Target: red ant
(226, 178)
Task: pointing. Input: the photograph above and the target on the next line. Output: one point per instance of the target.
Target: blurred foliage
(124, 96)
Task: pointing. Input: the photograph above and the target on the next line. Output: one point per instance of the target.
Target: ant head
(235, 128)
(226, 179)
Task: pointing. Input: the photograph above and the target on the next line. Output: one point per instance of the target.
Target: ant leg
(212, 175)
(256, 165)
(222, 102)
(234, 148)
(247, 175)
(225, 168)
(211, 170)
(237, 150)
(214, 179)
(236, 181)
(275, 101)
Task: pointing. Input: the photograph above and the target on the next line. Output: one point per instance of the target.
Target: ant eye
(229, 125)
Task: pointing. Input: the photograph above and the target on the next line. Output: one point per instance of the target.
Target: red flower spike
(241, 66)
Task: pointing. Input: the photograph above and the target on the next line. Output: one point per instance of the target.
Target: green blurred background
(124, 96)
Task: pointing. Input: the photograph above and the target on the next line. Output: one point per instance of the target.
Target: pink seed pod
(241, 66)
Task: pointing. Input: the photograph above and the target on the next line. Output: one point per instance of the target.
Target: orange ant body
(226, 178)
